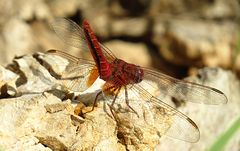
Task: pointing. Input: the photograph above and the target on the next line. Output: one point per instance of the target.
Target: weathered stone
(208, 117)
(237, 64)
(18, 38)
(221, 9)
(44, 119)
(217, 9)
(134, 27)
(192, 33)
(196, 43)
(7, 83)
(63, 8)
(137, 53)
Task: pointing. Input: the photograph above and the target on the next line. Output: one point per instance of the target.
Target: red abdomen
(96, 51)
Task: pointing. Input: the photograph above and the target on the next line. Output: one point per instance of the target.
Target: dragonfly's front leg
(127, 101)
(111, 107)
(115, 97)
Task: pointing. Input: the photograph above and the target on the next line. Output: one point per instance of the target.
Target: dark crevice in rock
(14, 67)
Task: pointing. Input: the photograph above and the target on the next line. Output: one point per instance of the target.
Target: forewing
(73, 35)
(77, 75)
(69, 32)
(164, 85)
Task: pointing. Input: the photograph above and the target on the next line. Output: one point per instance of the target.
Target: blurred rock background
(176, 37)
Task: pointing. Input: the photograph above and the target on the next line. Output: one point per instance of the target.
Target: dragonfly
(126, 82)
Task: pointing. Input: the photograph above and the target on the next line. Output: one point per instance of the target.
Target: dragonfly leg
(96, 98)
(127, 101)
(112, 104)
(95, 101)
(112, 109)
(115, 97)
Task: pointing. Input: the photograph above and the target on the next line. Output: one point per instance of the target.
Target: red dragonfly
(125, 82)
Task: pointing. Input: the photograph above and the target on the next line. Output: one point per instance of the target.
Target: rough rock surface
(209, 117)
(206, 43)
(33, 119)
(178, 37)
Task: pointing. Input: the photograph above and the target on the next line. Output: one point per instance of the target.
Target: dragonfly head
(138, 74)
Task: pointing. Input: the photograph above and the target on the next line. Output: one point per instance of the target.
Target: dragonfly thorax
(124, 73)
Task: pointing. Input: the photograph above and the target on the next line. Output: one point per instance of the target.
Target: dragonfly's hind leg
(127, 101)
(96, 98)
(94, 103)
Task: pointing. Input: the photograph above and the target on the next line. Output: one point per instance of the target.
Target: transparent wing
(164, 85)
(181, 126)
(73, 35)
(77, 75)
(154, 115)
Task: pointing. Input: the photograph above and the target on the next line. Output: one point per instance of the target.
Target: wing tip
(190, 133)
(52, 51)
(193, 123)
(225, 100)
(223, 96)
(195, 139)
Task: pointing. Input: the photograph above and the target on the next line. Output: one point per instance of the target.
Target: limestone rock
(137, 53)
(62, 8)
(193, 43)
(48, 120)
(218, 9)
(29, 9)
(18, 38)
(38, 113)
(222, 9)
(129, 27)
(237, 64)
(208, 117)
(7, 83)
(24, 10)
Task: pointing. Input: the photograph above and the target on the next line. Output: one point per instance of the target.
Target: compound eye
(138, 75)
